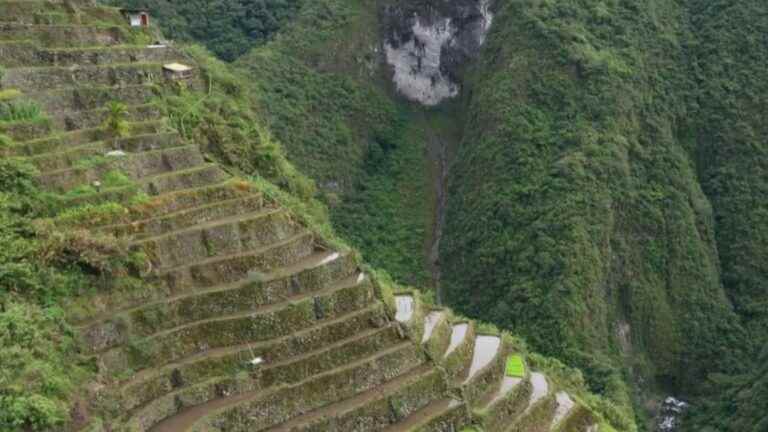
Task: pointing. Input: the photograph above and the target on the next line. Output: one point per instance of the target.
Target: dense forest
(227, 28)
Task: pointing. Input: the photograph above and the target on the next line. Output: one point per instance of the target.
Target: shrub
(9, 94)
(39, 367)
(5, 141)
(116, 122)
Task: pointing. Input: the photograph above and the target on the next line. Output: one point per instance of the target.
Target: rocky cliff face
(426, 45)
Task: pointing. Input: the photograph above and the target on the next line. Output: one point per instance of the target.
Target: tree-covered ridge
(732, 147)
(228, 28)
(576, 214)
(731, 57)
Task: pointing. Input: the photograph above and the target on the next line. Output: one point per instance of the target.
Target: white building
(136, 17)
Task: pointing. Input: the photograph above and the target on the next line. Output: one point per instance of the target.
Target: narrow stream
(439, 154)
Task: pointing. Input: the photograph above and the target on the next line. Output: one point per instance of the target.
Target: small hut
(136, 17)
(177, 71)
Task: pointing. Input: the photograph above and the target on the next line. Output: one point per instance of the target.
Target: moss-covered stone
(393, 403)
(48, 12)
(225, 270)
(71, 158)
(75, 120)
(230, 236)
(280, 406)
(62, 36)
(497, 416)
(26, 130)
(91, 97)
(452, 417)
(283, 364)
(136, 166)
(97, 136)
(260, 325)
(580, 419)
(172, 203)
(141, 229)
(184, 179)
(250, 295)
(537, 418)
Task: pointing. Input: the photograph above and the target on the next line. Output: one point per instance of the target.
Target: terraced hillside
(252, 321)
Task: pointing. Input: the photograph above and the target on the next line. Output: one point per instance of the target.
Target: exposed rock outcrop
(426, 45)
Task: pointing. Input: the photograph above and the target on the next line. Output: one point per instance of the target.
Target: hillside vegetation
(575, 207)
(228, 28)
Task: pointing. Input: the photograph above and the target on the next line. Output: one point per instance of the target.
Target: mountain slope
(203, 301)
(606, 199)
(578, 164)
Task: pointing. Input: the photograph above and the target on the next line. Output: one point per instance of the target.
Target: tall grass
(19, 110)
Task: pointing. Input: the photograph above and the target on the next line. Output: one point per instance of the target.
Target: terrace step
(312, 269)
(75, 120)
(431, 321)
(68, 157)
(176, 204)
(145, 228)
(66, 140)
(458, 337)
(260, 324)
(458, 355)
(29, 54)
(23, 11)
(135, 166)
(215, 361)
(62, 36)
(437, 334)
(540, 388)
(375, 409)
(31, 79)
(228, 235)
(564, 407)
(487, 368)
(445, 415)
(204, 175)
(164, 189)
(229, 300)
(151, 384)
(26, 130)
(236, 267)
(579, 419)
(505, 404)
(487, 348)
(270, 371)
(81, 98)
(47, 12)
(540, 408)
(262, 411)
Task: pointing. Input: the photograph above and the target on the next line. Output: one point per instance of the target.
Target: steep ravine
(427, 47)
(442, 132)
(439, 159)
